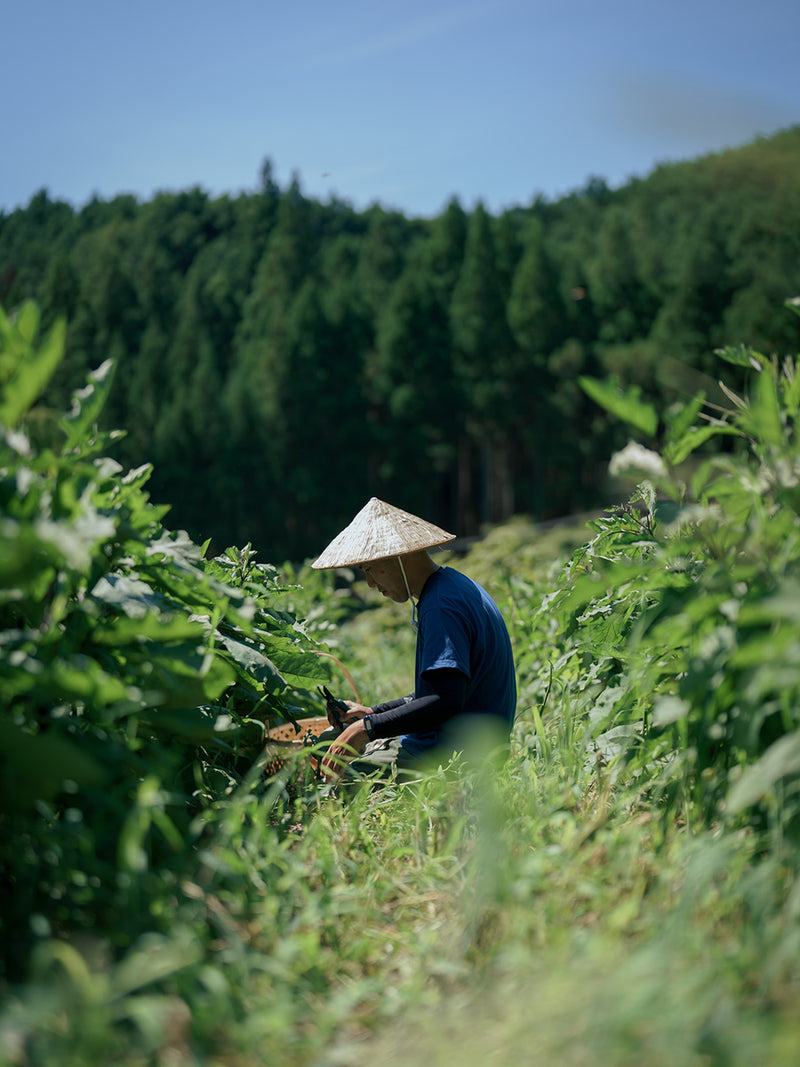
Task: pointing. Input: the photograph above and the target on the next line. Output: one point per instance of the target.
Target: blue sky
(406, 103)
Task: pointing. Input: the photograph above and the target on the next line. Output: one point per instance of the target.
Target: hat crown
(379, 531)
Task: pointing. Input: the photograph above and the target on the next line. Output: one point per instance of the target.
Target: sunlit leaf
(154, 627)
(175, 546)
(741, 356)
(781, 759)
(152, 959)
(87, 403)
(81, 677)
(76, 540)
(763, 420)
(679, 422)
(668, 709)
(624, 404)
(131, 595)
(678, 450)
(32, 375)
(254, 663)
(27, 322)
(298, 668)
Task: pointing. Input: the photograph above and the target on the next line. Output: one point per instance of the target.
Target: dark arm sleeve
(443, 696)
(390, 705)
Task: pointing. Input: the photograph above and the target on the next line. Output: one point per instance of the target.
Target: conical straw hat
(377, 532)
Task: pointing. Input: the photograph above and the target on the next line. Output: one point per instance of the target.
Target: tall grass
(622, 889)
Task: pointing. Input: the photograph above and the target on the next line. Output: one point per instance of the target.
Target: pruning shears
(334, 706)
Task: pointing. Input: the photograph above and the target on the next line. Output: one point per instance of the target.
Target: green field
(622, 889)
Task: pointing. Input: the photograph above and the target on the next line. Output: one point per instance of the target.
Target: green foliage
(136, 675)
(625, 405)
(164, 900)
(686, 602)
(648, 820)
(25, 370)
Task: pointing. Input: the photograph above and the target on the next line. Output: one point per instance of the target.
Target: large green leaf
(31, 375)
(148, 629)
(75, 541)
(298, 668)
(625, 404)
(254, 662)
(82, 678)
(668, 709)
(185, 674)
(200, 725)
(741, 356)
(35, 766)
(677, 451)
(10, 348)
(763, 418)
(22, 557)
(27, 322)
(130, 595)
(155, 959)
(680, 420)
(87, 403)
(781, 759)
(17, 335)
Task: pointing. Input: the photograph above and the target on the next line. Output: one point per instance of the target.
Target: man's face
(385, 575)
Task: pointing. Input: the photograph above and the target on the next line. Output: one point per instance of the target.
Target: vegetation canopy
(280, 361)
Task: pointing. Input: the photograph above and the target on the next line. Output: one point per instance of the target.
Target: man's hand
(341, 751)
(353, 714)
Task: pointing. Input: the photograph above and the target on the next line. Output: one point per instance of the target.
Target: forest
(280, 360)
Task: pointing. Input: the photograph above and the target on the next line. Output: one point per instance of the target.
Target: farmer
(464, 673)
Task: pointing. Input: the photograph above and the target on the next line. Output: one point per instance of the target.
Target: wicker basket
(284, 739)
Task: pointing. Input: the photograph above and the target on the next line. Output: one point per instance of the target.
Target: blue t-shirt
(461, 627)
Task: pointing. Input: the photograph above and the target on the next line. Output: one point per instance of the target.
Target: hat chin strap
(414, 622)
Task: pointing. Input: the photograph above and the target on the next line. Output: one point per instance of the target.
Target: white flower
(636, 461)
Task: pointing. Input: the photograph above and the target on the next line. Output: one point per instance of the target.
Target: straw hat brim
(380, 531)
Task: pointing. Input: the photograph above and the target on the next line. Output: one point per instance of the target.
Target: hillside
(280, 360)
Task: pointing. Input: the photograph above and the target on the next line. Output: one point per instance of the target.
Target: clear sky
(406, 103)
